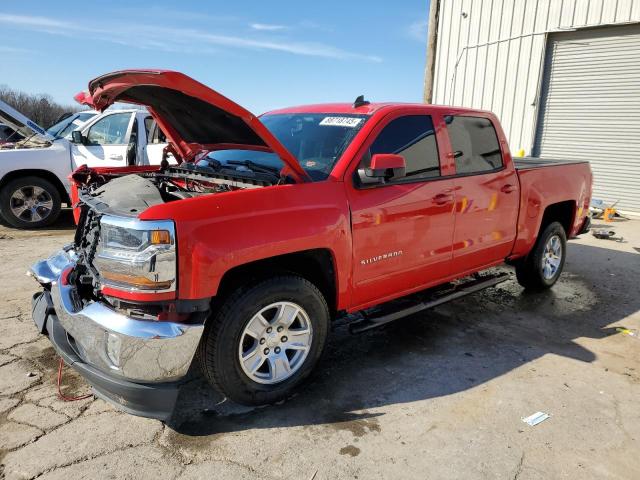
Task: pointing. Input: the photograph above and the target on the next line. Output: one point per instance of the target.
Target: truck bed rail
(522, 163)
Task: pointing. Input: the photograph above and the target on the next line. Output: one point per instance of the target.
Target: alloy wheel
(275, 343)
(31, 203)
(551, 257)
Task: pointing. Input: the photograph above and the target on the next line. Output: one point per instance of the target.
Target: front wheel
(544, 264)
(264, 340)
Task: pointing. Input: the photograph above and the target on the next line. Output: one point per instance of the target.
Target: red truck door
(487, 193)
(402, 230)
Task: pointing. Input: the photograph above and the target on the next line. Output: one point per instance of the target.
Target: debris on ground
(536, 418)
(604, 234)
(607, 212)
(627, 331)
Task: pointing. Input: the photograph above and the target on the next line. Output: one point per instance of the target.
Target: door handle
(442, 198)
(508, 188)
(115, 156)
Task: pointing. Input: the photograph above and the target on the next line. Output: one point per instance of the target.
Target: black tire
(530, 270)
(220, 344)
(48, 215)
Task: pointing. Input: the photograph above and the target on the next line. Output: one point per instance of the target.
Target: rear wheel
(264, 340)
(544, 264)
(30, 202)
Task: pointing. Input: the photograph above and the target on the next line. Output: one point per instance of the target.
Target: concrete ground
(439, 395)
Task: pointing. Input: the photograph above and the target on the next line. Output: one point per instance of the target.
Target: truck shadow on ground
(439, 352)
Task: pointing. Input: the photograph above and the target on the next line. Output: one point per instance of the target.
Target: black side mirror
(77, 137)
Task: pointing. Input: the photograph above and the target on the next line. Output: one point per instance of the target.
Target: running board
(422, 301)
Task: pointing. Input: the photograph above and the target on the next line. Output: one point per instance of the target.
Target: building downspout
(432, 43)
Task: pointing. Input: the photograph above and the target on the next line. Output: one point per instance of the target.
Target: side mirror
(384, 167)
(77, 137)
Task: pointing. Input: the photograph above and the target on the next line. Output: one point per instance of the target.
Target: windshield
(316, 140)
(67, 125)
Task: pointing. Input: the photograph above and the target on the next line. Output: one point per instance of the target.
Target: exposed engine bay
(130, 194)
(115, 194)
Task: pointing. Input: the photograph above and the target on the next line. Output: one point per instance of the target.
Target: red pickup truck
(271, 227)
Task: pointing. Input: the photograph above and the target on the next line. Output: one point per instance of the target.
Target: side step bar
(378, 316)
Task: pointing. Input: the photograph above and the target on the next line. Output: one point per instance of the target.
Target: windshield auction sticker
(341, 122)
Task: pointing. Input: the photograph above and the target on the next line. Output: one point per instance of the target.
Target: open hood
(194, 117)
(83, 98)
(23, 125)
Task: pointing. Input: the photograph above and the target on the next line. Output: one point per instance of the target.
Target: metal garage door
(590, 108)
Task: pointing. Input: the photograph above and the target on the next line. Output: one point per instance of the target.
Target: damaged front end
(134, 353)
(109, 301)
(133, 363)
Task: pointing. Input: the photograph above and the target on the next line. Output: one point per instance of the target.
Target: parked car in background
(274, 226)
(34, 172)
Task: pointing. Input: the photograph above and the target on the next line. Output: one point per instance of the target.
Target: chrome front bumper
(119, 346)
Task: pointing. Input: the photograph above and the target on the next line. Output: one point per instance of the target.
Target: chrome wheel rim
(31, 203)
(275, 343)
(552, 257)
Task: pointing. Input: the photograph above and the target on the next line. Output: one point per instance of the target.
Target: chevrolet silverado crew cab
(34, 171)
(271, 227)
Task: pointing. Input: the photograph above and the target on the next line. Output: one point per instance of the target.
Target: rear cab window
(474, 144)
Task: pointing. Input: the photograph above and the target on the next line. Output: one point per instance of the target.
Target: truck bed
(548, 181)
(522, 163)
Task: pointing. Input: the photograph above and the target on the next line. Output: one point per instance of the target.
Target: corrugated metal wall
(590, 108)
(490, 53)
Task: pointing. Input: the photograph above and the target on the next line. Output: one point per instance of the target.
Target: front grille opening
(85, 277)
(87, 234)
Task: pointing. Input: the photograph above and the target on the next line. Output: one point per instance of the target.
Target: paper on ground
(536, 418)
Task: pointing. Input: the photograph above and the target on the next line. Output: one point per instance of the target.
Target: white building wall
(490, 53)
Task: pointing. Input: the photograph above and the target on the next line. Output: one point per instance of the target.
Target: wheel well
(562, 212)
(316, 265)
(45, 174)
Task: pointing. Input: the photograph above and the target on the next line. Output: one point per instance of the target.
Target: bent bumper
(147, 400)
(135, 364)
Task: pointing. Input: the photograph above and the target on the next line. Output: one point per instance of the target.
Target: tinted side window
(474, 143)
(414, 138)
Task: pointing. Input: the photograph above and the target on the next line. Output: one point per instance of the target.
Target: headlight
(136, 255)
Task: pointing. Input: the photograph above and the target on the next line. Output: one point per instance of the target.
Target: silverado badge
(384, 256)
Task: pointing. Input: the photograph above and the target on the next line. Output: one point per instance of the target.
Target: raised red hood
(194, 117)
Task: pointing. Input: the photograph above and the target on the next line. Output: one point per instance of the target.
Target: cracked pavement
(438, 395)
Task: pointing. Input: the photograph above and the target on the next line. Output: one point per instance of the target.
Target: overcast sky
(262, 54)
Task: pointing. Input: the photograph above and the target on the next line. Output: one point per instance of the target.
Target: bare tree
(38, 107)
